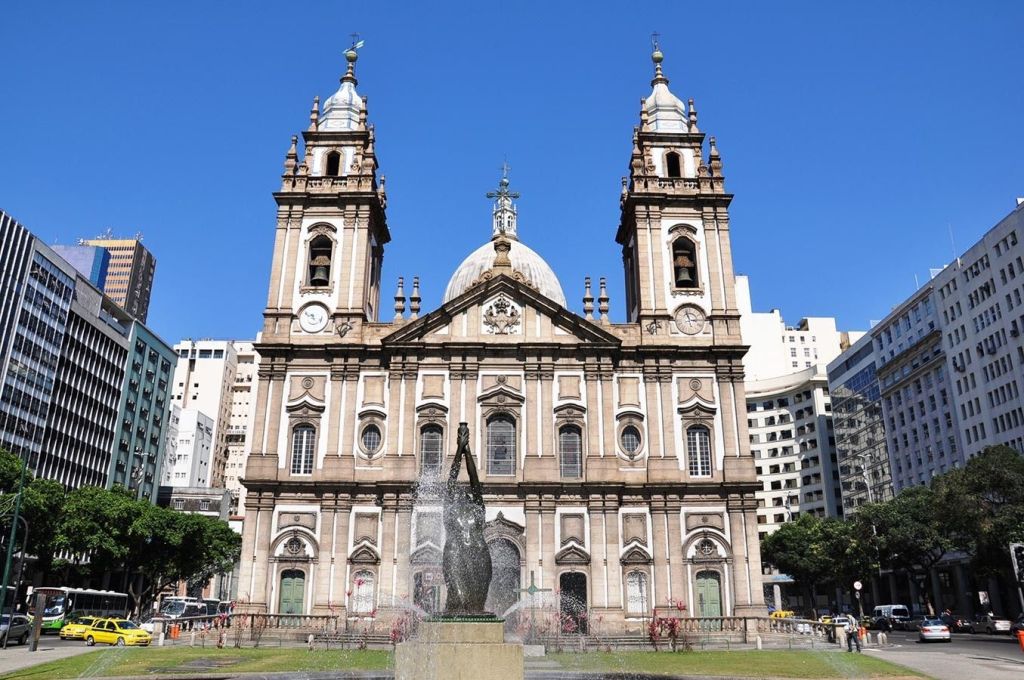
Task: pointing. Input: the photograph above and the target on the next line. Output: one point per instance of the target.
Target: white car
(986, 623)
(934, 630)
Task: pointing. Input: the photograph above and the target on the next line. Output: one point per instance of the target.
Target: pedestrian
(852, 635)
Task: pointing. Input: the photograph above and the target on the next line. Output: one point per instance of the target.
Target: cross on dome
(503, 221)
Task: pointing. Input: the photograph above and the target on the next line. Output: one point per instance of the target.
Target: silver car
(14, 632)
(932, 630)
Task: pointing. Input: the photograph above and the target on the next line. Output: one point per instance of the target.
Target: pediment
(364, 555)
(503, 395)
(428, 553)
(566, 326)
(572, 554)
(504, 526)
(304, 406)
(636, 555)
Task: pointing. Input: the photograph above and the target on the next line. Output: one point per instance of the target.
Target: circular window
(371, 439)
(630, 439)
(706, 549)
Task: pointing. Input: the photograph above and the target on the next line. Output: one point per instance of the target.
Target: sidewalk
(950, 666)
(16, 657)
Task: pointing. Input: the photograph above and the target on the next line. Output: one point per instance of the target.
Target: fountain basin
(459, 650)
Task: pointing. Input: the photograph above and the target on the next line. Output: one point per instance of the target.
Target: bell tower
(331, 225)
(674, 226)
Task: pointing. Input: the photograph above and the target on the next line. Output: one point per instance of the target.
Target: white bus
(65, 604)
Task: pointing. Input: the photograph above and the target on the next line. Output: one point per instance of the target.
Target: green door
(293, 585)
(709, 594)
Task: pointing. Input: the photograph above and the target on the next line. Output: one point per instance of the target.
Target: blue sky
(853, 136)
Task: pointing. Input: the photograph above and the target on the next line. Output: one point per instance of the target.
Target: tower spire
(503, 221)
(351, 55)
(657, 57)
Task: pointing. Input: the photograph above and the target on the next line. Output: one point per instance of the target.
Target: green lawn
(159, 660)
(182, 660)
(750, 664)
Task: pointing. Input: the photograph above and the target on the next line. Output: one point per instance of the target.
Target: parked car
(14, 628)
(76, 628)
(933, 630)
(957, 623)
(118, 632)
(913, 623)
(987, 623)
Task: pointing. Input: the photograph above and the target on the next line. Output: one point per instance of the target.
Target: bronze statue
(466, 561)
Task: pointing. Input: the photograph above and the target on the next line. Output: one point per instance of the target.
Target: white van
(889, 616)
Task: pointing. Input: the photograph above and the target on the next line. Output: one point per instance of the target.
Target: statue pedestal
(459, 650)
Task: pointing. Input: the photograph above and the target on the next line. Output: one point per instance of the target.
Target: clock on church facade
(614, 455)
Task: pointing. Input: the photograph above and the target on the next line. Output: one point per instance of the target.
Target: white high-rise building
(242, 406)
(789, 411)
(188, 455)
(203, 380)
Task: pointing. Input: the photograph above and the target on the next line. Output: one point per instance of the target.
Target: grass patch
(185, 660)
(750, 664)
(158, 660)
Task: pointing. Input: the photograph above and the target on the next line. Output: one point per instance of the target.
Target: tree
(982, 507)
(910, 534)
(797, 548)
(42, 507)
(95, 527)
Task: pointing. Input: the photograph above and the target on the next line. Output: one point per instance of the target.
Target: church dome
(524, 260)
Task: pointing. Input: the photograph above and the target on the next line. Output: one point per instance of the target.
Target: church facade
(614, 456)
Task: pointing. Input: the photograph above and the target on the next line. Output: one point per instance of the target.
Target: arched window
(430, 449)
(570, 451)
(303, 449)
(684, 263)
(320, 261)
(362, 592)
(673, 166)
(333, 164)
(501, 446)
(698, 451)
(637, 599)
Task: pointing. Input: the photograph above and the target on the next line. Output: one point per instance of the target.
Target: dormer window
(333, 164)
(320, 261)
(684, 263)
(673, 165)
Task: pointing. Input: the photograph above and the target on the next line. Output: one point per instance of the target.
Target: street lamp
(21, 567)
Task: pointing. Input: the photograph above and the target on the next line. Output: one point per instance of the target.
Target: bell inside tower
(320, 261)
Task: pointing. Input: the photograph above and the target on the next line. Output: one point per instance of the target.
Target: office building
(129, 280)
(243, 404)
(92, 261)
(188, 461)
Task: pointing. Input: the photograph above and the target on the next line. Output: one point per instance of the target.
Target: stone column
(339, 557)
(277, 388)
(660, 550)
(388, 554)
(964, 605)
(533, 545)
(403, 580)
(598, 553)
(676, 567)
(937, 598)
(547, 414)
(321, 589)
(262, 571)
(548, 547)
(614, 549)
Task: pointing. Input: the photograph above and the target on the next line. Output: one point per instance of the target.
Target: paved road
(51, 648)
(993, 657)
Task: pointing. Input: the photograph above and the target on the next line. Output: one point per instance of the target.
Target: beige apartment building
(614, 456)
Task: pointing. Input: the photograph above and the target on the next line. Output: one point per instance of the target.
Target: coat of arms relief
(502, 317)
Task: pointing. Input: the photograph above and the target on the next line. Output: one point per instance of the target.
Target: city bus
(65, 604)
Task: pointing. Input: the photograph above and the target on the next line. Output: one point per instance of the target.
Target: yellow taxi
(76, 628)
(118, 632)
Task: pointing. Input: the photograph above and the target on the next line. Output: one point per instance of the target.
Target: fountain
(465, 642)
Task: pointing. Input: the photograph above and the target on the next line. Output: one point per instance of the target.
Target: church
(614, 456)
